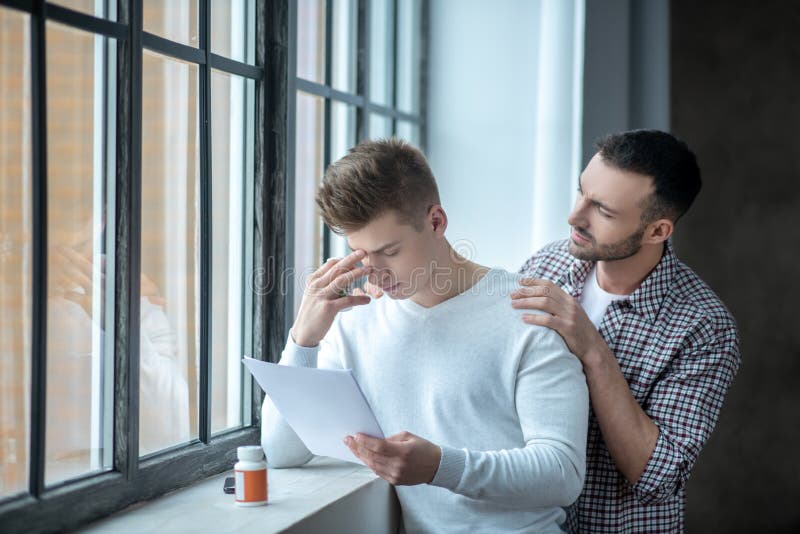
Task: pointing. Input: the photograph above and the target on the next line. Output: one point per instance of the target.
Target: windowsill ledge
(325, 495)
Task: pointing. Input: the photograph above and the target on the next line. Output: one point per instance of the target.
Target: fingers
(373, 290)
(538, 282)
(327, 266)
(339, 267)
(532, 291)
(540, 319)
(346, 279)
(544, 304)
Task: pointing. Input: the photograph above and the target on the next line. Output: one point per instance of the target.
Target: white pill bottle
(252, 487)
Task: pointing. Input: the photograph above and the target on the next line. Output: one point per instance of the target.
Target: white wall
(486, 105)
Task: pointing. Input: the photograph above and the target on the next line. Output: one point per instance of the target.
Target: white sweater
(506, 401)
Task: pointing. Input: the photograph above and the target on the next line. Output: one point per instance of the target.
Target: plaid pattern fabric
(678, 348)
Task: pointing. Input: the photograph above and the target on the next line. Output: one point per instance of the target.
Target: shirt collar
(647, 298)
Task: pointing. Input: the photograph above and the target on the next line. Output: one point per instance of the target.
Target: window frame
(360, 99)
(131, 479)
(75, 502)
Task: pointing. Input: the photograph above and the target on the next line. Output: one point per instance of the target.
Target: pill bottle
(251, 476)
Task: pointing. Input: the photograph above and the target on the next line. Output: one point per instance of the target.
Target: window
(359, 76)
(153, 178)
(131, 155)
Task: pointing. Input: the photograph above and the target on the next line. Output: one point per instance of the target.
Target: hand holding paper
(321, 405)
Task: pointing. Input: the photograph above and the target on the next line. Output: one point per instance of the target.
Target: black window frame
(131, 479)
(360, 99)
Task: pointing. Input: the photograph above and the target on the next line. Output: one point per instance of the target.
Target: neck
(623, 277)
(451, 274)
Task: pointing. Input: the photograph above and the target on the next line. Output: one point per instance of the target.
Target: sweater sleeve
(552, 402)
(282, 446)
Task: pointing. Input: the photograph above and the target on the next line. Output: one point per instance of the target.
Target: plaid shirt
(678, 348)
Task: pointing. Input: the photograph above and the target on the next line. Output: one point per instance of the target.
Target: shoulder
(693, 305)
(550, 262)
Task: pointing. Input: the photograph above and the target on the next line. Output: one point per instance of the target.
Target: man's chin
(582, 253)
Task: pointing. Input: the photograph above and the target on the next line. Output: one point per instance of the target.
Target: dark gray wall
(736, 101)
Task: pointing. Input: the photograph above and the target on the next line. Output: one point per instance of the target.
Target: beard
(624, 248)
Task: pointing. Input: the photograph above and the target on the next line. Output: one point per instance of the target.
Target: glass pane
(343, 129)
(170, 302)
(308, 172)
(229, 96)
(409, 43)
(380, 127)
(90, 7)
(343, 137)
(408, 131)
(233, 29)
(381, 42)
(176, 20)
(15, 250)
(80, 261)
(311, 40)
(345, 32)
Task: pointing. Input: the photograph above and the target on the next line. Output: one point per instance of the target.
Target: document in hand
(321, 405)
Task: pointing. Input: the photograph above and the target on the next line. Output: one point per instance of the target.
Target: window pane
(176, 20)
(170, 272)
(345, 32)
(380, 127)
(79, 290)
(408, 131)
(311, 40)
(91, 7)
(343, 129)
(15, 250)
(343, 137)
(229, 96)
(233, 29)
(381, 41)
(409, 42)
(308, 171)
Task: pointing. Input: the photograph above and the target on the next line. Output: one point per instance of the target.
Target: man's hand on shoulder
(402, 460)
(325, 296)
(563, 313)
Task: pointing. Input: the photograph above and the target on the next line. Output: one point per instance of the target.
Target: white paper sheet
(321, 405)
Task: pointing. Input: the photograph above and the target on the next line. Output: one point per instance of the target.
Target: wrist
(302, 340)
(598, 359)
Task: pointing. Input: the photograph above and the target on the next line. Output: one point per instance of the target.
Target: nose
(578, 215)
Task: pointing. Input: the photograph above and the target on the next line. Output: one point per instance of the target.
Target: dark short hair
(374, 178)
(664, 158)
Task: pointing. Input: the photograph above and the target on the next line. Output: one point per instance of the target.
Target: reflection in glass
(380, 127)
(15, 249)
(170, 257)
(229, 95)
(232, 29)
(308, 172)
(381, 62)
(344, 54)
(79, 353)
(311, 40)
(176, 20)
(409, 42)
(96, 8)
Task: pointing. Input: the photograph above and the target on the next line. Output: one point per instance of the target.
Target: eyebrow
(597, 202)
(381, 249)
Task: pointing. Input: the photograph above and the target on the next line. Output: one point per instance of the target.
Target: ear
(658, 231)
(437, 220)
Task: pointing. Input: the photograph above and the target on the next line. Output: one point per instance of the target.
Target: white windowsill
(325, 495)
